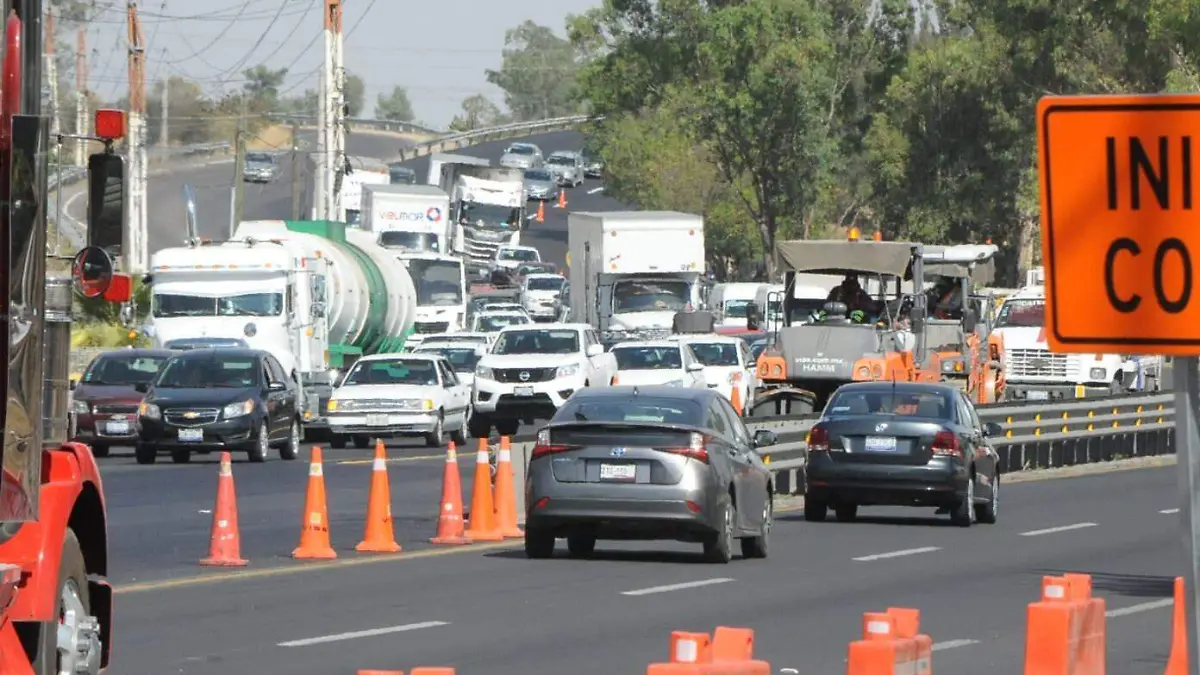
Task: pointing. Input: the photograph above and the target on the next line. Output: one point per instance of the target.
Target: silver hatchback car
(648, 463)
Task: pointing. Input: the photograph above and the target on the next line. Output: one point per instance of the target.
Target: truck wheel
(479, 426)
(145, 454)
(362, 441)
(508, 427)
(337, 442)
(71, 643)
(181, 455)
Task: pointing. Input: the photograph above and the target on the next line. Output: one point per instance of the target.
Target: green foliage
(109, 336)
(394, 106)
(477, 112)
(100, 311)
(537, 73)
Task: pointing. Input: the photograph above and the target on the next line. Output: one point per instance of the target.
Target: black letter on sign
(1139, 163)
(1110, 286)
(1176, 306)
(1110, 163)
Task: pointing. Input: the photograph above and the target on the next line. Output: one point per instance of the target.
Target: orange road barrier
(505, 497)
(541, 214)
(427, 670)
(881, 651)
(314, 530)
(379, 535)
(730, 651)
(482, 526)
(379, 672)
(736, 399)
(450, 510)
(225, 543)
(1065, 629)
(908, 627)
(1177, 664)
(562, 199)
(690, 647)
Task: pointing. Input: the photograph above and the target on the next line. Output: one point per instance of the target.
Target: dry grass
(274, 137)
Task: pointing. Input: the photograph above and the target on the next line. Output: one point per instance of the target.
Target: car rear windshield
(545, 284)
(394, 371)
(537, 342)
(561, 160)
(520, 150)
(716, 353)
(631, 409)
(123, 370)
(259, 158)
(932, 405)
(648, 358)
(208, 371)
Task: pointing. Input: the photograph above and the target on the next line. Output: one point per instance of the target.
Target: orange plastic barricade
(908, 627)
(1092, 648)
(1177, 664)
(380, 672)
(881, 651)
(690, 647)
(427, 670)
(730, 651)
(1065, 629)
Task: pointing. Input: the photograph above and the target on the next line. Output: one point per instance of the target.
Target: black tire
(290, 450)
(508, 427)
(846, 513)
(718, 548)
(987, 513)
(362, 441)
(99, 450)
(45, 661)
(145, 454)
(815, 510)
(459, 435)
(337, 442)
(181, 455)
(538, 545)
(963, 514)
(581, 544)
(760, 546)
(262, 442)
(437, 437)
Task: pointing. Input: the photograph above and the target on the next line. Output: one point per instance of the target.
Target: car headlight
(332, 405)
(567, 371)
(484, 372)
(415, 404)
(80, 407)
(239, 409)
(1098, 374)
(149, 410)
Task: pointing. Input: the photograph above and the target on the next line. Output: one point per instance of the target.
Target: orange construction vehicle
(55, 602)
(872, 326)
(959, 326)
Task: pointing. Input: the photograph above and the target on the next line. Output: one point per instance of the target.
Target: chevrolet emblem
(190, 415)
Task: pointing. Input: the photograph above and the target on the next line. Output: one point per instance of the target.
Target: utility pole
(239, 167)
(297, 184)
(331, 150)
(81, 99)
(52, 77)
(164, 134)
(134, 249)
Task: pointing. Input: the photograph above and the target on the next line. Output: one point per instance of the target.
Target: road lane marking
(1169, 511)
(952, 644)
(1056, 530)
(678, 587)
(1139, 608)
(595, 190)
(397, 460)
(340, 637)
(896, 554)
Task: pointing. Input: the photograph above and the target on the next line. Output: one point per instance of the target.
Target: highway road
(494, 611)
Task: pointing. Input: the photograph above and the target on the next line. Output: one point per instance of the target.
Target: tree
(188, 108)
(356, 95)
(477, 112)
(394, 106)
(537, 73)
(262, 87)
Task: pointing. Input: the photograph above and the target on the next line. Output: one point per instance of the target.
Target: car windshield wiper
(580, 417)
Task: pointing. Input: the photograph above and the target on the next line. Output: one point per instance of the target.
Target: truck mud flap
(783, 401)
(100, 596)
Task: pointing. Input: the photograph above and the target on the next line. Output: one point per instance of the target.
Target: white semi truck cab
(441, 284)
(490, 207)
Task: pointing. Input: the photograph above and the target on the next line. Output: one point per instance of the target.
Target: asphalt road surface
(491, 610)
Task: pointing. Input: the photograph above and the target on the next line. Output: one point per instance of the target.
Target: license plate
(377, 420)
(618, 472)
(880, 444)
(191, 435)
(1038, 396)
(522, 391)
(121, 427)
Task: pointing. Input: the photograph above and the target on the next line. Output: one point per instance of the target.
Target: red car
(105, 401)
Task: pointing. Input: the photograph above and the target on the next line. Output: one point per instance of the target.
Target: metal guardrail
(363, 123)
(476, 136)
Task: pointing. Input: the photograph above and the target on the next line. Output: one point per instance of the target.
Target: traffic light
(106, 201)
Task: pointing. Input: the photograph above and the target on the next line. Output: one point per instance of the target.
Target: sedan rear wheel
(963, 514)
(760, 546)
(719, 547)
(259, 452)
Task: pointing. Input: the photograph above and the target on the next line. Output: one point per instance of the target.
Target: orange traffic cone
(506, 495)
(1177, 663)
(541, 214)
(450, 516)
(314, 530)
(225, 547)
(483, 513)
(736, 400)
(379, 535)
(562, 199)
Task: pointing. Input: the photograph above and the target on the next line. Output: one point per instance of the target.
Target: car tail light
(818, 439)
(697, 449)
(946, 443)
(544, 447)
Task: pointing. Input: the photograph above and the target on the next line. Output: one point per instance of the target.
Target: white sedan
(658, 362)
(728, 365)
(399, 395)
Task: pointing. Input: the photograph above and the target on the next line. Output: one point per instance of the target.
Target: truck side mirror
(106, 200)
(970, 320)
(753, 316)
(917, 318)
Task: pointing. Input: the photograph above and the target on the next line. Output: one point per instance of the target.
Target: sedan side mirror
(695, 366)
(992, 430)
(594, 350)
(764, 437)
(141, 387)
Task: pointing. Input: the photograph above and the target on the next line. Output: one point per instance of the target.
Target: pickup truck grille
(1039, 363)
(429, 327)
(534, 374)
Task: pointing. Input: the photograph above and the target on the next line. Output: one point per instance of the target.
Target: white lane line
(1055, 530)
(362, 634)
(595, 190)
(678, 587)
(531, 216)
(952, 644)
(1138, 609)
(896, 554)
(1169, 511)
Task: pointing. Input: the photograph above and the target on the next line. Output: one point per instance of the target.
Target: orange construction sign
(1119, 201)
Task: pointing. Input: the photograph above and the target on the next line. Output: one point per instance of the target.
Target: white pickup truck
(530, 371)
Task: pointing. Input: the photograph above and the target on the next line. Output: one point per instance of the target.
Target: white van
(729, 302)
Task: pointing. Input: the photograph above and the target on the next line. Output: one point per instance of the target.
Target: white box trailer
(408, 217)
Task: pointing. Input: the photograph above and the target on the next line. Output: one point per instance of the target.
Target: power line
(258, 43)
(301, 81)
(215, 40)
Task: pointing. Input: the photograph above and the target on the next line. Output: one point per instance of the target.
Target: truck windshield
(489, 215)
(649, 296)
(410, 241)
(1029, 313)
(259, 158)
(462, 359)
(400, 175)
(519, 254)
(537, 342)
(736, 309)
(168, 305)
(439, 282)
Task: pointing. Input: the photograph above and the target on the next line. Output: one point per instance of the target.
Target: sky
(437, 50)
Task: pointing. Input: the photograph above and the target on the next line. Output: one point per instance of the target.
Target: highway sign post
(1121, 250)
